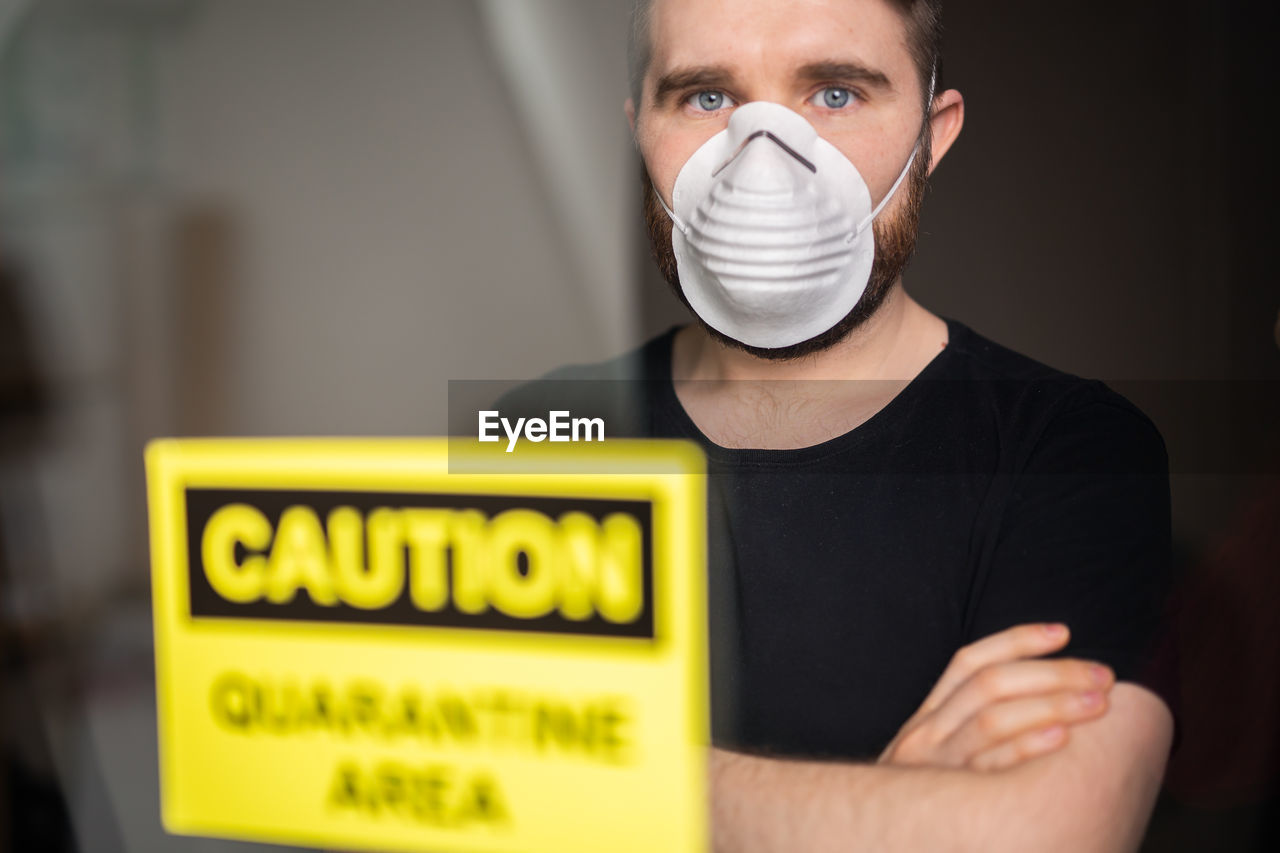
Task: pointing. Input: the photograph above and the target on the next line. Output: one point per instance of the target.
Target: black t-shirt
(991, 491)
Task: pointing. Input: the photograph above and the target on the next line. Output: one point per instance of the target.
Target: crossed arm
(1094, 792)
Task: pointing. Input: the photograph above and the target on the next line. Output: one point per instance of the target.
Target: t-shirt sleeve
(1084, 538)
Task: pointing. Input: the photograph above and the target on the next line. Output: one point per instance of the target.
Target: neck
(894, 343)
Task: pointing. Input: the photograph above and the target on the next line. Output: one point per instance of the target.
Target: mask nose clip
(765, 134)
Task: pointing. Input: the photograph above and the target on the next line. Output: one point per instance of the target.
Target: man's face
(842, 64)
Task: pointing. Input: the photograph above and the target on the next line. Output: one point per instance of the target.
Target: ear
(629, 107)
(945, 123)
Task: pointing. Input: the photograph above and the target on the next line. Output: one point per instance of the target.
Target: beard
(895, 235)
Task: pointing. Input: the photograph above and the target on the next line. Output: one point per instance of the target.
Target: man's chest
(850, 592)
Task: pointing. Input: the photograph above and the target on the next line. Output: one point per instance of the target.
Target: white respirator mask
(773, 238)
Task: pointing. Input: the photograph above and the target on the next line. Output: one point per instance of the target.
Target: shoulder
(1060, 422)
(615, 389)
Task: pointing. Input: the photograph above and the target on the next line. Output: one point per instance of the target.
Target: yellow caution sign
(356, 648)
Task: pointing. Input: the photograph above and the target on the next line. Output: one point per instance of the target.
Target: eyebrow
(719, 76)
(679, 79)
(852, 72)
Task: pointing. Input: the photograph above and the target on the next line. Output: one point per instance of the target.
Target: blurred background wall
(241, 217)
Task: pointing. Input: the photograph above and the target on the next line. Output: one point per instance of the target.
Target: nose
(784, 124)
(762, 122)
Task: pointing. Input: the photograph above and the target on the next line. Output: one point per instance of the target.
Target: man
(909, 510)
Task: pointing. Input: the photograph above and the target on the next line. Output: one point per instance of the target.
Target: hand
(994, 708)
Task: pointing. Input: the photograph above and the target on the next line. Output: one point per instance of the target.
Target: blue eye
(835, 98)
(710, 101)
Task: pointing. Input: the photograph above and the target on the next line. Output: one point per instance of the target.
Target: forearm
(1095, 795)
(762, 805)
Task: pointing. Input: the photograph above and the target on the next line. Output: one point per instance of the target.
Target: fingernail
(1090, 700)
(1100, 674)
(1055, 630)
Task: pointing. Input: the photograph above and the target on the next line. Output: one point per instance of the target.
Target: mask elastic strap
(676, 220)
(884, 202)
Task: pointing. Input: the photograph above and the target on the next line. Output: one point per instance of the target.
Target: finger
(1011, 680)
(1020, 641)
(1005, 721)
(1023, 748)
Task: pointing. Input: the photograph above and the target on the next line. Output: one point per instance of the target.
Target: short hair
(924, 39)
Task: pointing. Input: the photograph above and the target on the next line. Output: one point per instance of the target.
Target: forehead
(777, 36)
